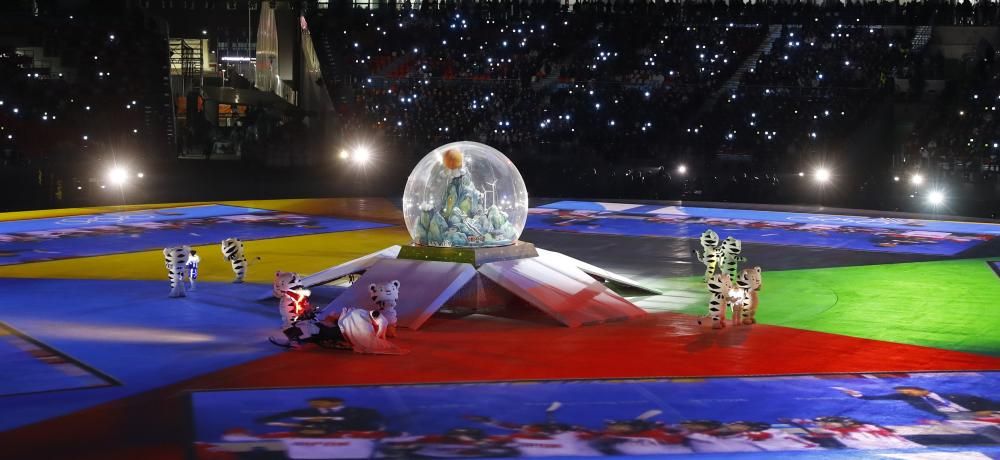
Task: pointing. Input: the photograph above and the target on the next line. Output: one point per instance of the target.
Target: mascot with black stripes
(711, 255)
(232, 250)
(176, 259)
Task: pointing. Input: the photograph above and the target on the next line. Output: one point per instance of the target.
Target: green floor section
(953, 304)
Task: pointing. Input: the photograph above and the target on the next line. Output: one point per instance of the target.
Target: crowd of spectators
(608, 97)
(626, 100)
(812, 88)
(66, 76)
(959, 139)
(824, 56)
(75, 91)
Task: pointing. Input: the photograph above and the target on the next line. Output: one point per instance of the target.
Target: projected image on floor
(824, 413)
(35, 367)
(113, 233)
(909, 236)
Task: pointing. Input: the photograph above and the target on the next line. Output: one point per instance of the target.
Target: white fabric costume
(366, 333)
(176, 259)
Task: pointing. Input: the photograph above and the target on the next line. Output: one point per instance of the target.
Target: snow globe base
(475, 256)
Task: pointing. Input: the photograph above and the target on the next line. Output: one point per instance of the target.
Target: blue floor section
(795, 217)
(835, 416)
(909, 236)
(131, 331)
(99, 234)
(30, 367)
(68, 223)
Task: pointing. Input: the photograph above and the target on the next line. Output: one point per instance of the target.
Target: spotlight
(362, 155)
(895, 178)
(935, 198)
(917, 179)
(140, 175)
(822, 175)
(682, 169)
(344, 155)
(117, 176)
(801, 174)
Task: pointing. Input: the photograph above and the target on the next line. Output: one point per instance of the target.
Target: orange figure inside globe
(452, 159)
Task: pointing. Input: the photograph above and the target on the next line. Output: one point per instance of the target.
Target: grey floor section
(671, 257)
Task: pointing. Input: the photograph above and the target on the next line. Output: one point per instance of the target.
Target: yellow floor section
(302, 254)
(371, 209)
(374, 209)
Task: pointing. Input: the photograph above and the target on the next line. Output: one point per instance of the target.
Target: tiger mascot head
(709, 239)
(284, 281)
(732, 246)
(176, 256)
(385, 295)
(721, 284)
(750, 278)
(232, 249)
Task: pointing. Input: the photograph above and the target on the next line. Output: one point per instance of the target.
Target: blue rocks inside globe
(465, 194)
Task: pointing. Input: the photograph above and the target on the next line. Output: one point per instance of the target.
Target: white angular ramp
(424, 288)
(560, 290)
(350, 267)
(561, 259)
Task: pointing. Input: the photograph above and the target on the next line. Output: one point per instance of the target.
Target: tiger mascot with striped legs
(232, 250)
(731, 258)
(719, 286)
(176, 259)
(710, 255)
(748, 284)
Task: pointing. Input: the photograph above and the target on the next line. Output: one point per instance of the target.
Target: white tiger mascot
(232, 250)
(711, 253)
(731, 258)
(719, 286)
(285, 283)
(176, 259)
(294, 298)
(747, 285)
(385, 297)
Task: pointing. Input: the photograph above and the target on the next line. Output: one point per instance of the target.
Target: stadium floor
(125, 371)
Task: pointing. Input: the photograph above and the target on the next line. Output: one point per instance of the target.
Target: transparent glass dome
(465, 194)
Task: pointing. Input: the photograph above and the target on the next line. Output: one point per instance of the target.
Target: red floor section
(482, 349)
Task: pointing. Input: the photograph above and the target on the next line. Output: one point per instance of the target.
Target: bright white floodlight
(117, 176)
(935, 198)
(362, 155)
(822, 175)
(917, 179)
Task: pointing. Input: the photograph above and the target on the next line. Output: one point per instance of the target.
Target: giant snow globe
(467, 195)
